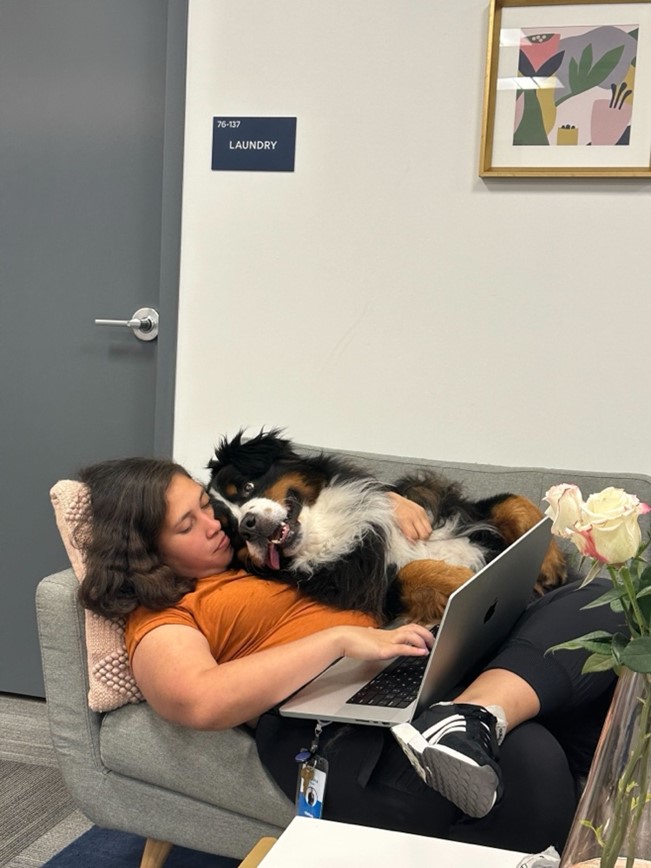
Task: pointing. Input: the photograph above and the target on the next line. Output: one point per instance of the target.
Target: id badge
(310, 787)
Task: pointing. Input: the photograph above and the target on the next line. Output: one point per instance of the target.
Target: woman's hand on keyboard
(368, 643)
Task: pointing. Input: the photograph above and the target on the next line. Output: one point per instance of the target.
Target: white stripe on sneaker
(454, 723)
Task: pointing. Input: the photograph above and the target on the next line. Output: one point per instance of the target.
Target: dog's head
(242, 469)
(271, 531)
(266, 484)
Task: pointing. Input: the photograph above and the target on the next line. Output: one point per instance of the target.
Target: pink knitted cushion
(111, 682)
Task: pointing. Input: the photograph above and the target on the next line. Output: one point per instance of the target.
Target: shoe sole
(471, 787)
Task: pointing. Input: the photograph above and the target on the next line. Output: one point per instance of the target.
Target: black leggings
(371, 783)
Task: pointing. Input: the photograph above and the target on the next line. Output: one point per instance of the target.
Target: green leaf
(637, 654)
(585, 63)
(585, 75)
(617, 605)
(597, 642)
(619, 643)
(604, 66)
(606, 599)
(573, 74)
(599, 663)
(642, 584)
(644, 602)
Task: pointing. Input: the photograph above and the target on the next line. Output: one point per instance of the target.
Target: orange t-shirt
(240, 614)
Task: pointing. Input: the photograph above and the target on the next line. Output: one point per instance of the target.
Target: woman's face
(192, 541)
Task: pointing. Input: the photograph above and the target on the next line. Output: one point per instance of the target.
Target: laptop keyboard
(397, 685)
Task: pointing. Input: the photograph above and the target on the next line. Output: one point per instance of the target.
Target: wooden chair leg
(257, 854)
(155, 853)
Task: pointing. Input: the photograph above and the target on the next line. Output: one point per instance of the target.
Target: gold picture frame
(567, 90)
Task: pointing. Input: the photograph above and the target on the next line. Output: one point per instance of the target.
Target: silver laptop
(478, 616)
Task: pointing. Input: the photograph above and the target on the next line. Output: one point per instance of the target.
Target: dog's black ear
(222, 513)
(253, 457)
(266, 448)
(228, 521)
(224, 451)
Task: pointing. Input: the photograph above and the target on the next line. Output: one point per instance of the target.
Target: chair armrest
(73, 726)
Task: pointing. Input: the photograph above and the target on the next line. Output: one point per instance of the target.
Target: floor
(25, 738)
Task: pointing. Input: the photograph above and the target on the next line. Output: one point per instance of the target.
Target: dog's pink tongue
(273, 558)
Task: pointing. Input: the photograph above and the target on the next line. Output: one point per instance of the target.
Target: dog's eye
(248, 487)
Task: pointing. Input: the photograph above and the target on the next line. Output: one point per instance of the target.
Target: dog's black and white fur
(324, 525)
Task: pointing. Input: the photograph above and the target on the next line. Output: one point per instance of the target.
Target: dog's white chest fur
(345, 511)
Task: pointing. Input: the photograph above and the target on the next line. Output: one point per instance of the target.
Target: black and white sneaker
(454, 749)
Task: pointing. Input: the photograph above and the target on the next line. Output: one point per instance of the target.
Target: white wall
(383, 297)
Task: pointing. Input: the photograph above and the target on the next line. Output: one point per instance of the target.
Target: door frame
(171, 218)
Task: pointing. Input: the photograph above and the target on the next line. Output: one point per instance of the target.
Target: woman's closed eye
(204, 505)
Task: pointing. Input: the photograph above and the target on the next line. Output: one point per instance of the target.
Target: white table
(307, 843)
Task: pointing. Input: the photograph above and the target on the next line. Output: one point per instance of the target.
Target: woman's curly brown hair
(123, 566)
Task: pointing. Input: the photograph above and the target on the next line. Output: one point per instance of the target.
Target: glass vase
(612, 825)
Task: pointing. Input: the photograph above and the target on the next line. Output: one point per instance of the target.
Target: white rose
(608, 528)
(565, 508)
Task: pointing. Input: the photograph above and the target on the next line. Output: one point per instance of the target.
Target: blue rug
(106, 848)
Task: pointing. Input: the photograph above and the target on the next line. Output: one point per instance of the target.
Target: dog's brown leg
(516, 515)
(425, 587)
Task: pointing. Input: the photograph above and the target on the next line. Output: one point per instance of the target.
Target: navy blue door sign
(253, 144)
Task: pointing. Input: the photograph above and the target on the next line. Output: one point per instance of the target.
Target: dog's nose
(248, 525)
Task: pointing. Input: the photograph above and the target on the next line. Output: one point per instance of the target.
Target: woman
(213, 648)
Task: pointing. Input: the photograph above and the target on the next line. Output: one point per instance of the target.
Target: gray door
(89, 204)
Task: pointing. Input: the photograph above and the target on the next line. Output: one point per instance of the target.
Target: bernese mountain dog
(324, 525)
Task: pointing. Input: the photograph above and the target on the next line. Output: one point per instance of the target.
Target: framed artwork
(567, 90)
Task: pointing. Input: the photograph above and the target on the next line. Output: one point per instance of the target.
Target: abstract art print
(568, 89)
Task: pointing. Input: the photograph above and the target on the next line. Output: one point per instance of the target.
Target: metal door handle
(144, 323)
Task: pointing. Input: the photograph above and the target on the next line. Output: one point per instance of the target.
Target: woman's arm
(180, 679)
